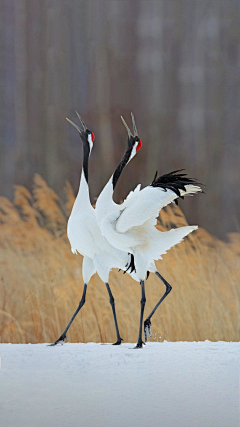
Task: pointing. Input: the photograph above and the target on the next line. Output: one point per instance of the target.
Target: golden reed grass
(41, 282)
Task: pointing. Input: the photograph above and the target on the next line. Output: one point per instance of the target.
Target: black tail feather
(174, 181)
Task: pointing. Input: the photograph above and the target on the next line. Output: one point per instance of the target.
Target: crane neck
(105, 200)
(86, 155)
(125, 159)
(83, 198)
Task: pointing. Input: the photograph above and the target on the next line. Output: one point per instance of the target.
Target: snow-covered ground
(164, 384)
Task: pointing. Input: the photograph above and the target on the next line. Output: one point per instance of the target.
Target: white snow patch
(165, 384)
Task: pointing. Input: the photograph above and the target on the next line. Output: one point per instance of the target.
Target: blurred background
(175, 64)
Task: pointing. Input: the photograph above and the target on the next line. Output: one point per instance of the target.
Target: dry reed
(41, 283)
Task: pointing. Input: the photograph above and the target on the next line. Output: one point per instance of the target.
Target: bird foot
(139, 344)
(147, 328)
(118, 342)
(60, 340)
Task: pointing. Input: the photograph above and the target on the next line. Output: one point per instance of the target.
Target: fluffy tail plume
(179, 183)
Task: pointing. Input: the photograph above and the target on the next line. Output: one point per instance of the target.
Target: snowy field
(165, 384)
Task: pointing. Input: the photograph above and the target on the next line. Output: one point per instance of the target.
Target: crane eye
(139, 145)
(93, 136)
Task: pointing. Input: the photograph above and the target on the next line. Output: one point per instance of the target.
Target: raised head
(86, 135)
(134, 142)
(87, 138)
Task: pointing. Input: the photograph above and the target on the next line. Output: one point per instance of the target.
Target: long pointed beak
(81, 120)
(134, 125)
(77, 127)
(126, 126)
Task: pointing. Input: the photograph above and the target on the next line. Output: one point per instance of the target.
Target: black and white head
(86, 135)
(134, 142)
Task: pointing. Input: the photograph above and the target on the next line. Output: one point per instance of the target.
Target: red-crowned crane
(86, 238)
(130, 226)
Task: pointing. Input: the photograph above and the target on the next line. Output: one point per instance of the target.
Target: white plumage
(131, 226)
(146, 204)
(86, 238)
(123, 236)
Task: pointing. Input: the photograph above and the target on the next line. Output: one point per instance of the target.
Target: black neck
(86, 152)
(121, 166)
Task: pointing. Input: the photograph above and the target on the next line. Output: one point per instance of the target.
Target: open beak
(77, 127)
(134, 126)
(81, 120)
(126, 126)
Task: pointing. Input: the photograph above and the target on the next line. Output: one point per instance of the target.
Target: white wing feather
(145, 204)
(132, 195)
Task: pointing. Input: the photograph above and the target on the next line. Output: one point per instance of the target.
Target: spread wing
(144, 205)
(147, 203)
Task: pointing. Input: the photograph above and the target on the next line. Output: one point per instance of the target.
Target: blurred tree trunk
(175, 64)
(56, 89)
(21, 76)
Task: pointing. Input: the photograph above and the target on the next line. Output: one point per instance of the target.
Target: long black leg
(119, 339)
(63, 337)
(147, 322)
(142, 302)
